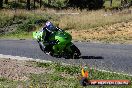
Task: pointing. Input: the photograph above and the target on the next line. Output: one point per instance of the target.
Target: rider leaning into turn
(48, 29)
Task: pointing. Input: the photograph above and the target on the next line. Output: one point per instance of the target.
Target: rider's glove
(51, 42)
(54, 42)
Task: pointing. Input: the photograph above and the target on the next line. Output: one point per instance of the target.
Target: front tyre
(75, 52)
(42, 47)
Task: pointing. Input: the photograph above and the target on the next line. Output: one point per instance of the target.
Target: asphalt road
(112, 57)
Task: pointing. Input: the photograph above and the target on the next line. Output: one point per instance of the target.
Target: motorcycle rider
(47, 30)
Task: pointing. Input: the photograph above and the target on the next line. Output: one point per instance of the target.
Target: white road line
(47, 61)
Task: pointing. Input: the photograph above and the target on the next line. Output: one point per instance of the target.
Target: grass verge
(6, 83)
(52, 75)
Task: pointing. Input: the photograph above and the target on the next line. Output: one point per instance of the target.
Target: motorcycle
(61, 47)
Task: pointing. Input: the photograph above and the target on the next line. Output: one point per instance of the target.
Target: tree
(49, 2)
(6, 1)
(40, 3)
(34, 3)
(111, 3)
(89, 4)
(1, 4)
(28, 5)
(126, 3)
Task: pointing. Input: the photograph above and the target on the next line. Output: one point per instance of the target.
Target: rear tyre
(75, 52)
(46, 49)
(67, 56)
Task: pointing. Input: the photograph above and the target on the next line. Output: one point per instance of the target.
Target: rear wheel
(75, 52)
(67, 56)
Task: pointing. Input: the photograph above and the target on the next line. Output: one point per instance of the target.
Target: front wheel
(42, 47)
(75, 52)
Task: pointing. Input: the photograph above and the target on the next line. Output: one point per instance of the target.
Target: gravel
(18, 69)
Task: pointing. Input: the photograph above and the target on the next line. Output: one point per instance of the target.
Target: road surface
(112, 57)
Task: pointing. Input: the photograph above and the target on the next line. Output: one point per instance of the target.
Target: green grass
(75, 69)
(67, 76)
(53, 81)
(60, 76)
(23, 35)
(60, 68)
(115, 3)
(6, 83)
(57, 81)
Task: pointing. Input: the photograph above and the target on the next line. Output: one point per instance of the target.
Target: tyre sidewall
(75, 52)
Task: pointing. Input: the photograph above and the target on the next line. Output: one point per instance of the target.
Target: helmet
(48, 23)
(50, 27)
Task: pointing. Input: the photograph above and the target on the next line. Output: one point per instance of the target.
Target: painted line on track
(47, 61)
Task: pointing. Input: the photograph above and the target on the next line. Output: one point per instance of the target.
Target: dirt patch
(18, 69)
(120, 32)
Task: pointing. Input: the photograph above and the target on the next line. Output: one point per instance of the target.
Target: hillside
(110, 26)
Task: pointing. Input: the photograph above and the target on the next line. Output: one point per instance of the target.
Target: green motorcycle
(62, 45)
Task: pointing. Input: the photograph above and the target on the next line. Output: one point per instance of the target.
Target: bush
(32, 21)
(27, 26)
(5, 21)
(14, 5)
(59, 3)
(56, 3)
(24, 21)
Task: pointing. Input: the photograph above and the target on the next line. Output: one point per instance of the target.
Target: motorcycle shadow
(92, 57)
